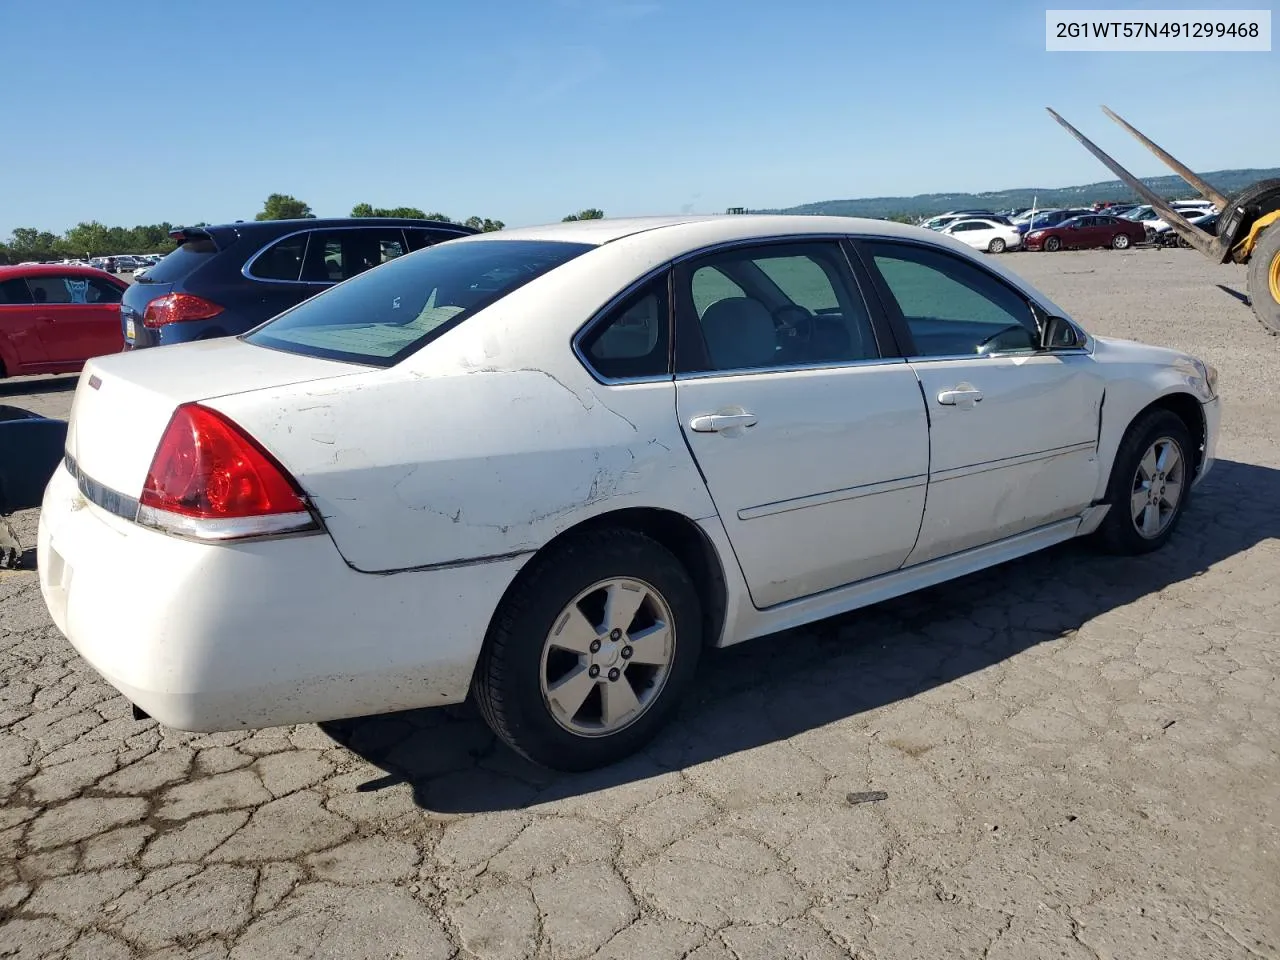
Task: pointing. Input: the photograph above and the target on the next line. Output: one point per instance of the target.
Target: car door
(971, 232)
(69, 322)
(808, 429)
(1013, 428)
(20, 345)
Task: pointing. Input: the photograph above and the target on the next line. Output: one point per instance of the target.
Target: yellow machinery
(1248, 230)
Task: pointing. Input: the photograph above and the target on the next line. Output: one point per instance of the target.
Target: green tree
(281, 206)
(591, 213)
(414, 213)
(484, 224)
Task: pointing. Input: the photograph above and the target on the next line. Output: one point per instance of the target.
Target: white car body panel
(438, 478)
(790, 488)
(1022, 456)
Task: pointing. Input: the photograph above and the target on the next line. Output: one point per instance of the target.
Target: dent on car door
(811, 436)
(1013, 429)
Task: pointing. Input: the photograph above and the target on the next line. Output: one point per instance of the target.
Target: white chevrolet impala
(545, 467)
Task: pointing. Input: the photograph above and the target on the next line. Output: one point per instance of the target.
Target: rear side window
(182, 262)
(382, 316)
(280, 261)
(14, 292)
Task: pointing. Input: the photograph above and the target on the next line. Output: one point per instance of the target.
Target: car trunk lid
(123, 402)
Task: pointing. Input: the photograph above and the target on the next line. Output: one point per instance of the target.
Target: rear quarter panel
(412, 471)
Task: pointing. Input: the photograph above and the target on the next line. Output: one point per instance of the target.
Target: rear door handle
(961, 396)
(715, 422)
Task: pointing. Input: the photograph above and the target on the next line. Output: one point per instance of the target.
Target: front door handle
(715, 422)
(963, 395)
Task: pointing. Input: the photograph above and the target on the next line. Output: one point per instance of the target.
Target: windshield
(381, 316)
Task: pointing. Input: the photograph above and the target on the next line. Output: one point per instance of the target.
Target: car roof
(44, 269)
(702, 230)
(311, 223)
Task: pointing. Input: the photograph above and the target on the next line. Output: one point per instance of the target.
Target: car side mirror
(1057, 333)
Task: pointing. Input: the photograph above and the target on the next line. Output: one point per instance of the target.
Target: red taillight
(177, 308)
(209, 479)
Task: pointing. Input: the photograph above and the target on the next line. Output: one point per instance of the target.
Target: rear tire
(532, 650)
(1150, 484)
(996, 246)
(1264, 279)
(1120, 241)
(1053, 244)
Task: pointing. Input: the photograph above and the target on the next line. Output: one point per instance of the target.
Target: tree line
(94, 239)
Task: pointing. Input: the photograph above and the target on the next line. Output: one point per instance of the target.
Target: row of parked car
(220, 281)
(1116, 226)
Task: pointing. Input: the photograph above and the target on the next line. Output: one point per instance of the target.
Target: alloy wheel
(607, 657)
(1157, 488)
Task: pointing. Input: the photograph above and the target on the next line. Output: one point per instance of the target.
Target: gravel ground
(1079, 755)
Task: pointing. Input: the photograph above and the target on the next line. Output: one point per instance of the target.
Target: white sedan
(545, 467)
(985, 235)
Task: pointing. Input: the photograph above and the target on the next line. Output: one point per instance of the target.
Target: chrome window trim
(244, 270)
(1065, 352)
(792, 368)
(763, 242)
(602, 314)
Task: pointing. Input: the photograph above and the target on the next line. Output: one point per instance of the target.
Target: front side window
(778, 305)
(382, 316)
(950, 306)
(632, 340)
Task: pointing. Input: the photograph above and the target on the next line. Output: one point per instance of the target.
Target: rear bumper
(224, 637)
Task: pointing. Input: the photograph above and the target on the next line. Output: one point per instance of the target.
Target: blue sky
(525, 110)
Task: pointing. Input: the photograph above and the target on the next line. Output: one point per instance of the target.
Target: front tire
(1120, 241)
(1264, 279)
(591, 650)
(1052, 244)
(1150, 484)
(997, 245)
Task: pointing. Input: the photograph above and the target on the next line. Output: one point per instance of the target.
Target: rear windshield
(182, 262)
(383, 315)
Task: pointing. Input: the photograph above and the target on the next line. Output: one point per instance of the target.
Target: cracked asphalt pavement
(1079, 754)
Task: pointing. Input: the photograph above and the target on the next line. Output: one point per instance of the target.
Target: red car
(53, 318)
(1080, 233)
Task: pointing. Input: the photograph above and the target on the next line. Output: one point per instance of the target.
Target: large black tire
(1248, 198)
(507, 685)
(1119, 532)
(1052, 244)
(1264, 279)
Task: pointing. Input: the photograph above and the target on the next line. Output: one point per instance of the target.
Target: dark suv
(224, 280)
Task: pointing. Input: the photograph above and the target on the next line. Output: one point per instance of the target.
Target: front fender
(1135, 383)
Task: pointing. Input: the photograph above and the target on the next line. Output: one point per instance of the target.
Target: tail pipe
(1216, 248)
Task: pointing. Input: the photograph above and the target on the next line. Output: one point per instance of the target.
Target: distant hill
(1226, 181)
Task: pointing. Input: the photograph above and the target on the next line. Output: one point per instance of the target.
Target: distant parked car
(1165, 236)
(985, 234)
(54, 318)
(1081, 233)
(1050, 218)
(224, 280)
